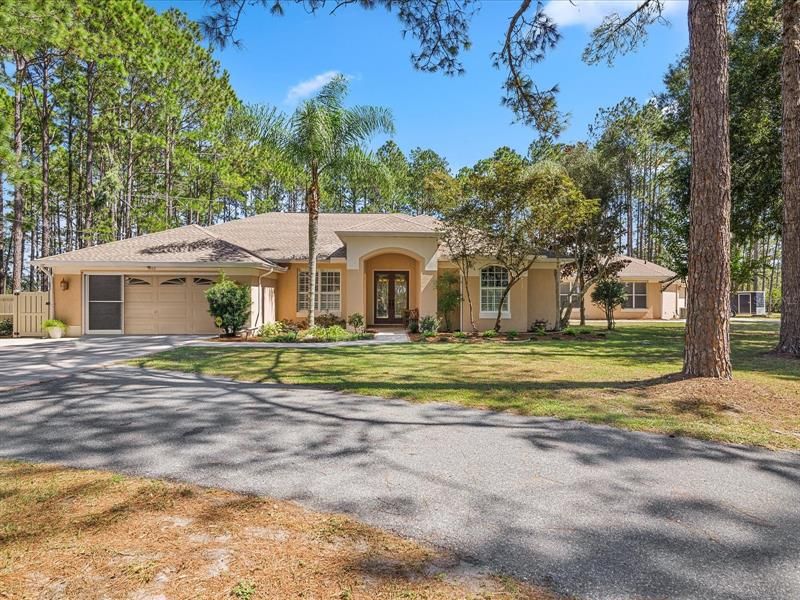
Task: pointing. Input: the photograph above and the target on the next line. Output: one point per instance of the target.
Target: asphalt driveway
(24, 361)
(591, 511)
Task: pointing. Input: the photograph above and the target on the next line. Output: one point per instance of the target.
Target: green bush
(6, 327)
(581, 330)
(513, 334)
(271, 330)
(229, 304)
(429, 324)
(356, 321)
(448, 295)
(411, 317)
(608, 294)
(489, 334)
(539, 331)
(460, 335)
(48, 323)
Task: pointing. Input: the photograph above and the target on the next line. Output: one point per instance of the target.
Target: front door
(391, 296)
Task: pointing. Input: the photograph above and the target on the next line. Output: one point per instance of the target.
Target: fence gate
(26, 310)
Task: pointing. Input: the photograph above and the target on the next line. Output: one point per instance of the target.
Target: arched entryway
(391, 281)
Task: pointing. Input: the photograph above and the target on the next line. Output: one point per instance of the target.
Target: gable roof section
(189, 244)
(283, 237)
(644, 269)
(263, 240)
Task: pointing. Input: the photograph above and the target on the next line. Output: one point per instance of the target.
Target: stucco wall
(286, 291)
(67, 305)
(653, 310)
(542, 296)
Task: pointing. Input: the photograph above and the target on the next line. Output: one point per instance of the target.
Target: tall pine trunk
(312, 203)
(707, 351)
(45, 127)
(790, 256)
(21, 66)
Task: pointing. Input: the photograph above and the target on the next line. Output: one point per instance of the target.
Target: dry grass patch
(85, 534)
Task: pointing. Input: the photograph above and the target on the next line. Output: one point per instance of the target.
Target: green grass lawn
(630, 379)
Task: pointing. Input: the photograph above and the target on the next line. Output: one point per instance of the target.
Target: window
(494, 281)
(566, 297)
(202, 281)
(636, 295)
(329, 286)
(136, 281)
(175, 281)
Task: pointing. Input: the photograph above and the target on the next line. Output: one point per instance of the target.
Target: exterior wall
(542, 297)
(286, 290)
(391, 262)
(657, 307)
(68, 305)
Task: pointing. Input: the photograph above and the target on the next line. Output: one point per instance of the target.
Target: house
(653, 292)
(378, 265)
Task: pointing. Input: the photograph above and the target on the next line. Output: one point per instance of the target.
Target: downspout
(261, 297)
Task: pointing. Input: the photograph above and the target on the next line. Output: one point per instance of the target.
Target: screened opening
(104, 307)
(202, 281)
(105, 288)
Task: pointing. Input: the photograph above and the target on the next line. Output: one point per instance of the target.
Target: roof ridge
(235, 245)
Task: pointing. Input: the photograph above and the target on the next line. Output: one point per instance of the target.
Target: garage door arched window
(136, 281)
(494, 280)
(174, 281)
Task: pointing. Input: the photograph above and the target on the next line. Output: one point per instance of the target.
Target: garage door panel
(167, 304)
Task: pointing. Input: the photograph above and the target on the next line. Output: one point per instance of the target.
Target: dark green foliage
(6, 327)
(356, 321)
(329, 320)
(609, 294)
(229, 304)
(448, 296)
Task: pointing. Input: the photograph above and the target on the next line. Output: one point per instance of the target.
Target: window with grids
(329, 288)
(636, 295)
(567, 298)
(494, 281)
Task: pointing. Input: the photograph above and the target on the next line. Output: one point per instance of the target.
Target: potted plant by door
(54, 328)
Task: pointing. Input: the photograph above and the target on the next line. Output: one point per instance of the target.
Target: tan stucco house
(375, 264)
(653, 292)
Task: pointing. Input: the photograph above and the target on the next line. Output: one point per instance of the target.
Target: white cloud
(590, 13)
(307, 88)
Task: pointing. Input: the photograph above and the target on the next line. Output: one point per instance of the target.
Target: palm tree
(321, 136)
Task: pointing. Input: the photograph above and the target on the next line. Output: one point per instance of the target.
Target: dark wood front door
(391, 296)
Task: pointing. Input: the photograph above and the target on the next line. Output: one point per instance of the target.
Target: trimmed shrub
(271, 330)
(411, 318)
(513, 334)
(489, 334)
(6, 328)
(356, 321)
(229, 304)
(429, 324)
(460, 335)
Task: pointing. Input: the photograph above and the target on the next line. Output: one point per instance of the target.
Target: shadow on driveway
(591, 511)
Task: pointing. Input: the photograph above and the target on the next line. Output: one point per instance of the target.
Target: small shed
(748, 303)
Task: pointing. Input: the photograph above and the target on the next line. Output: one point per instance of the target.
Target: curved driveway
(591, 511)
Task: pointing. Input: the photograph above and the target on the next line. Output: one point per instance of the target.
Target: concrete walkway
(590, 511)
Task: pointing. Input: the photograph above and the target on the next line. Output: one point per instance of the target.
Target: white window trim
(483, 314)
(301, 313)
(646, 307)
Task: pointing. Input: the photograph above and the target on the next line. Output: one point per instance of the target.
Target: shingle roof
(284, 236)
(642, 268)
(188, 244)
(264, 238)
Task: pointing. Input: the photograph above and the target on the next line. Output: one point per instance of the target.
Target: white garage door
(167, 305)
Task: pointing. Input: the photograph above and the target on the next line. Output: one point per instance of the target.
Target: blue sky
(282, 59)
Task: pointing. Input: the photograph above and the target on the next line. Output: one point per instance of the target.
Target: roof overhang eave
(133, 264)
